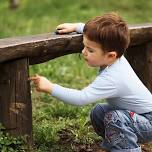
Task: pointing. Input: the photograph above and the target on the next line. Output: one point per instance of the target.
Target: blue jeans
(121, 130)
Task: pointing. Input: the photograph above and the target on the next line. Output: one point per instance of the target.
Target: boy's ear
(112, 54)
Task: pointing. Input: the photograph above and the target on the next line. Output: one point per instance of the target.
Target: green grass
(41, 17)
(54, 121)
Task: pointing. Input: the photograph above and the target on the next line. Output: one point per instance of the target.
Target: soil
(96, 148)
(66, 140)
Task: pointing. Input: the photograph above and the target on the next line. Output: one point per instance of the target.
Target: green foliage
(83, 132)
(44, 16)
(11, 144)
(55, 121)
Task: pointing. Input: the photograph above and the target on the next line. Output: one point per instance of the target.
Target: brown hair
(110, 31)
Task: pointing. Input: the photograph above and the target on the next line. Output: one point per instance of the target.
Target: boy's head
(110, 32)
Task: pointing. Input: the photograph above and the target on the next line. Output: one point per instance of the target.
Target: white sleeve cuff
(80, 27)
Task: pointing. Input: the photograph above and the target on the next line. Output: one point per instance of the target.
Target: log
(44, 47)
(15, 98)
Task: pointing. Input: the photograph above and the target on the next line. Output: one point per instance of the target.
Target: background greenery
(54, 123)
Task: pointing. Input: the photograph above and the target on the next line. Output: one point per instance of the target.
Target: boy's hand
(66, 28)
(42, 84)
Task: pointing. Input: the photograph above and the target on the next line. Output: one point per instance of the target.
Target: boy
(126, 119)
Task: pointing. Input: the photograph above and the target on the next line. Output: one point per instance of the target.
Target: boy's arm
(100, 88)
(70, 27)
(80, 27)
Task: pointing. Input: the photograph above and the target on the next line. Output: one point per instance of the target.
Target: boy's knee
(113, 117)
(96, 112)
(97, 117)
(113, 133)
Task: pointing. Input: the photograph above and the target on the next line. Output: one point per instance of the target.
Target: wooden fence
(16, 54)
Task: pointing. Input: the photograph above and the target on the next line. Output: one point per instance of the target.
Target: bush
(11, 144)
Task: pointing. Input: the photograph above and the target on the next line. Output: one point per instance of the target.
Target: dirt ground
(96, 148)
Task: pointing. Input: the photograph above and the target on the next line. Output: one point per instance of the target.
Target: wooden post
(140, 58)
(149, 66)
(15, 98)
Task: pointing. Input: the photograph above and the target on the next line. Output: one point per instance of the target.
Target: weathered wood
(140, 34)
(140, 58)
(15, 98)
(149, 66)
(41, 48)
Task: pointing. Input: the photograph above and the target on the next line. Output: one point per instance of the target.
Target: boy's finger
(61, 26)
(33, 78)
(63, 31)
(37, 75)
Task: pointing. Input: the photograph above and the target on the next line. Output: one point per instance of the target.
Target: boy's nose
(84, 52)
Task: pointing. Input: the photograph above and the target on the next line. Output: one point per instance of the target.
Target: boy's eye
(90, 50)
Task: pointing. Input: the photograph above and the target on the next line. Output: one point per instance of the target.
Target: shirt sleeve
(100, 88)
(80, 27)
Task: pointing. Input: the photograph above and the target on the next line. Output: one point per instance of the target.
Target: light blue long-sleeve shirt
(118, 84)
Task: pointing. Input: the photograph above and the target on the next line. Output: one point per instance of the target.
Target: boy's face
(94, 55)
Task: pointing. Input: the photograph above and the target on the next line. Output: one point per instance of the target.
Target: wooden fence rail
(16, 54)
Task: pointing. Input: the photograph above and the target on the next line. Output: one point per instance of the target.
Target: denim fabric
(122, 130)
